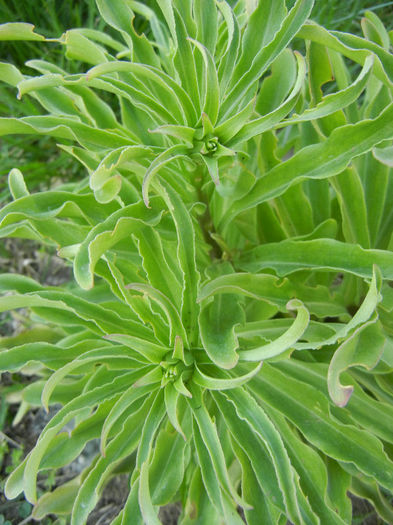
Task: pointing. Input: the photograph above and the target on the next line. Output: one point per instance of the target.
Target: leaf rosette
(228, 336)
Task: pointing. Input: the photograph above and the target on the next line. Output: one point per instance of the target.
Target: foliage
(228, 336)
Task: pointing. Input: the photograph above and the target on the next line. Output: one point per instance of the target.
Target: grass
(346, 16)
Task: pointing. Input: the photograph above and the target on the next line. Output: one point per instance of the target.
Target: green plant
(263, 235)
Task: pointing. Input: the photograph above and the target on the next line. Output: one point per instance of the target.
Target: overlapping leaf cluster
(228, 336)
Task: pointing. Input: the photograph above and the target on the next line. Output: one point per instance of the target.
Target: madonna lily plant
(228, 333)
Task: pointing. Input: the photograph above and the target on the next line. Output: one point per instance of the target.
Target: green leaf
(210, 84)
(17, 184)
(98, 355)
(171, 95)
(64, 128)
(175, 323)
(149, 513)
(308, 410)
(211, 442)
(151, 351)
(178, 151)
(185, 62)
(217, 322)
(198, 508)
(168, 458)
(206, 22)
(79, 47)
(171, 405)
(285, 341)
(258, 126)
(261, 28)
(117, 14)
(353, 47)
(213, 383)
(229, 58)
(150, 428)
(10, 74)
(226, 130)
(262, 509)
(247, 409)
(186, 255)
(70, 410)
(265, 56)
(384, 155)
(312, 472)
(363, 348)
(58, 502)
(352, 203)
(117, 226)
(125, 401)
(289, 256)
(132, 511)
(335, 101)
(369, 490)
(334, 154)
(121, 446)
(18, 31)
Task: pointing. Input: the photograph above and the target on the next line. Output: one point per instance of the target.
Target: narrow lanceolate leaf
(119, 225)
(353, 47)
(336, 101)
(247, 409)
(363, 348)
(252, 446)
(290, 26)
(150, 428)
(121, 446)
(211, 441)
(258, 126)
(70, 410)
(178, 151)
(151, 351)
(226, 130)
(261, 286)
(171, 401)
(125, 401)
(308, 409)
(289, 256)
(168, 458)
(312, 471)
(170, 93)
(228, 60)
(64, 128)
(173, 317)
(131, 512)
(363, 314)
(213, 383)
(183, 133)
(285, 341)
(59, 501)
(334, 155)
(160, 274)
(186, 252)
(185, 62)
(149, 513)
(94, 356)
(261, 27)
(210, 88)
